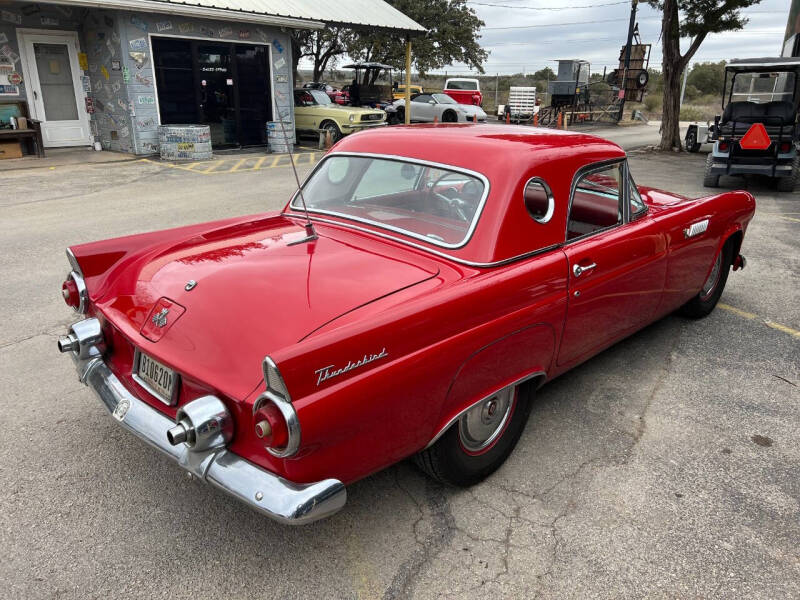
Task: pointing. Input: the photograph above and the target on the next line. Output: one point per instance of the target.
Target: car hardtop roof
(764, 64)
(484, 148)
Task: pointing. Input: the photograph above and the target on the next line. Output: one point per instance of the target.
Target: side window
(538, 200)
(424, 98)
(637, 204)
(596, 201)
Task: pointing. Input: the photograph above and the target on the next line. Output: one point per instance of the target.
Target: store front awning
(301, 14)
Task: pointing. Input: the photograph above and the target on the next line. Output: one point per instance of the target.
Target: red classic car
(402, 304)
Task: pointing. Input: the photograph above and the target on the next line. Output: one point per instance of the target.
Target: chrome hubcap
(481, 425)
(713, 278)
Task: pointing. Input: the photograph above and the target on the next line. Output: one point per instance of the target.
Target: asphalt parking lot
(668, 466)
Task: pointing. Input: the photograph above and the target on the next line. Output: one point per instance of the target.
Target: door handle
(579, 270)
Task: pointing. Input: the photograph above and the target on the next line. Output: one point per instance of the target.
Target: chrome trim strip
(135, 376)
(444, 255)
(470, 230)
(284, 501)
(696, 229)
(452, 421)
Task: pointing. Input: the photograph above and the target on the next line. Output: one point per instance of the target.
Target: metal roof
(777, 62)
(313, 14)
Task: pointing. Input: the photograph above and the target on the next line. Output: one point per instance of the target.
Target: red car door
(617, 264)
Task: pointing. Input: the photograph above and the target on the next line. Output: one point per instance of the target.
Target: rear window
(431, 202)
(462, 85)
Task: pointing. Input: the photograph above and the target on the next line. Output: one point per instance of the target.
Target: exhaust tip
(67, 343)
(177, 435)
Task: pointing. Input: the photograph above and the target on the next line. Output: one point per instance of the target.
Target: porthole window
(539, 200)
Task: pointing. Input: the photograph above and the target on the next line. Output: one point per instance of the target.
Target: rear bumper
(281, 500)
(737, 168)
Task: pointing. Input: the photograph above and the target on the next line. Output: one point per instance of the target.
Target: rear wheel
(788, 184)
(709, 179)
(691, 140)
(705, 301)
(449, 117)
(481, 440)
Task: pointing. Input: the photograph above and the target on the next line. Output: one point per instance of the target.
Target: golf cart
(758, 131)
(370, 90)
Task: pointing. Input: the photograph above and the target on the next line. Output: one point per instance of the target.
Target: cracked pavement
(667, 466)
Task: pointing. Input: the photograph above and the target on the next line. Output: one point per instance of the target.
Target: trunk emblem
(160, 318)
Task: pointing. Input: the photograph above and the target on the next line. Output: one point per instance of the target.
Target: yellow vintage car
(313, 110)
(400, 91)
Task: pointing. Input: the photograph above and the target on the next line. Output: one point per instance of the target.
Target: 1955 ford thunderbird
(402, 304)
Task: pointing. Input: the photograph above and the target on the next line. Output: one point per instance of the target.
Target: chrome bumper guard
(284, 501)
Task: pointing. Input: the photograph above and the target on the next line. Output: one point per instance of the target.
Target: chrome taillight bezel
(76, 275)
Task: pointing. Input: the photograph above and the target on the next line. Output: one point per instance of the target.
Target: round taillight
(786, 147)
(270, 426)
(723, 146)
(69, 291)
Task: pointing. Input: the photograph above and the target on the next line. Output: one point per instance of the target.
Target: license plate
(157, 379)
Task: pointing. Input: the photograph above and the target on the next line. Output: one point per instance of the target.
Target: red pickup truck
(464, 91)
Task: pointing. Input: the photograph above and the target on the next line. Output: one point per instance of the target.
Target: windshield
(462, 85)
(444, 99)
(430, 202)
(320, 97)
(763, 87)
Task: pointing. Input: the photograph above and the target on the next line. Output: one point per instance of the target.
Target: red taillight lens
(723, 146)
(271, 427)
(786, 147)
(69, 290)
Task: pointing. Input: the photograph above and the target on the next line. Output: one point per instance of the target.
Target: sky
(522, 36)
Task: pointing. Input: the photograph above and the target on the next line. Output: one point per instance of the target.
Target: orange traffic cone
(475, 118)
(559, 121)
(536, 120)
(508, 118)
(435, 119)
(328, 139)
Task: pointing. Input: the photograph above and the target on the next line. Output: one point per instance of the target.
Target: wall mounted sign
(87, 84)
(49, 21)
(186, 27)
(140, 58)
(164, 26)
(14, 78)
(10, 17)
(9, 90)
(126, 74)
(116, 65)
(90, 105)
(138, 23)
(83, 61)
(138, 45)
(146, 99)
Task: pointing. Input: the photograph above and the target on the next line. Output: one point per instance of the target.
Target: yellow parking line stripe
(238, 164)
(791, 219)
(259, 162)
(275, 161)
(754, 317)
(211, 167)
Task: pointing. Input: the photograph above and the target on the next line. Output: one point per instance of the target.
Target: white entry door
(52, 80)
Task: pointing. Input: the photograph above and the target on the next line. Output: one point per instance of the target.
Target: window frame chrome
(551, 206)
(445, 167)
(588, 170)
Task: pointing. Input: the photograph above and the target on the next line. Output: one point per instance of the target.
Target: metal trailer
(758, 132)
(521, 106)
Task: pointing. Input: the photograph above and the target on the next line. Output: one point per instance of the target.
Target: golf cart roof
(779, 63)
(368, 65)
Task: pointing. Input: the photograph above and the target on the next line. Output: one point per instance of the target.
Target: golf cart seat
(778, 117)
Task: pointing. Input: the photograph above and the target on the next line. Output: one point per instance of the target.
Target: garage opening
(220, 84)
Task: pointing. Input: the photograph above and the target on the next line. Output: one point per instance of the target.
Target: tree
(708, 77)
(322, 46)
(693, 19)
(452, 36)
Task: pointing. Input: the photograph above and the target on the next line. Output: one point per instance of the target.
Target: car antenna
(311, 233)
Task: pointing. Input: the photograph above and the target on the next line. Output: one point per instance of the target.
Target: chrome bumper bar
(282, 500)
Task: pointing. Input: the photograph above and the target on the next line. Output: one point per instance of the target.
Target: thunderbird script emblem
(329, 372)
(160, 318)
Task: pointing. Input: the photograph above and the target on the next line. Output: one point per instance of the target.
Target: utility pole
(683, 86)
(624, 89)
(496, 86)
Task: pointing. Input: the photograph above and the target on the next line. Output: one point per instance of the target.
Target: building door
(55, 94)
(220, 84)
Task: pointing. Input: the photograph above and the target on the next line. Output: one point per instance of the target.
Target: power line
(547, 7)
(562, 24)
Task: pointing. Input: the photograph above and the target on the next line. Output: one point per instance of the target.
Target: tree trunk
(672, 68)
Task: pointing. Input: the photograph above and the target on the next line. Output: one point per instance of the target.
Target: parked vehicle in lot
(758, 132)
(522, 105)
(334, 94)
(399, 90)
(464, 91)
(441, 107)
(407, 302)
(313, 110)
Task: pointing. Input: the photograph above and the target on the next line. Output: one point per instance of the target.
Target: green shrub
(653, 102)
(691, 113)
